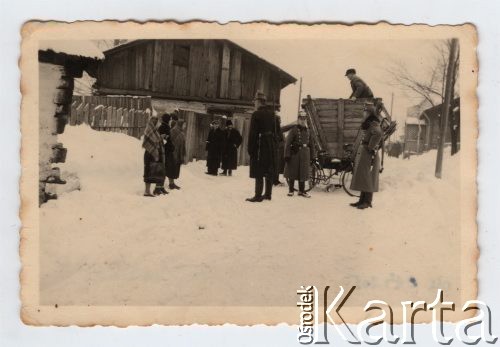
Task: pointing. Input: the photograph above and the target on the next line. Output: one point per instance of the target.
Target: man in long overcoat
(360, 89)
(365, 176)
(230, 150)
(299, 150)
(214, 148)
(262, 148)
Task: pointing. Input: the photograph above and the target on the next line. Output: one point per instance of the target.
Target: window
(181, 55)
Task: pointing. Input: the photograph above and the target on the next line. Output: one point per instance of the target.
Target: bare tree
(428, 84)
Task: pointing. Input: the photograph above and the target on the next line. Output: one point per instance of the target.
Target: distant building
(432, 119)
(204, 79)
(422, 132)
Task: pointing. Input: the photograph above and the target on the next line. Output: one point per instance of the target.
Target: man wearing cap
(262, 148)
(360, 89)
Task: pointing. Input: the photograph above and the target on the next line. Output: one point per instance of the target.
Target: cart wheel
(346, 183)
(314, 177)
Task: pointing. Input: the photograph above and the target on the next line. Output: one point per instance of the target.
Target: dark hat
(165, 118)
(229, 122)
(260, 96)
(175, 117)
(349, 71)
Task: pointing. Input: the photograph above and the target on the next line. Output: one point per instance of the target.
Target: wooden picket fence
(121, 114)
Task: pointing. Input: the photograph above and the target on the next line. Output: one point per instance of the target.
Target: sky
(322, 64)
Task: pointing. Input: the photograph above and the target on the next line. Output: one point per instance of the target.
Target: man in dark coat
(365, 177)
(230, 151)
(164, 131)
(262, 148)
(214, 148)
(360, 89)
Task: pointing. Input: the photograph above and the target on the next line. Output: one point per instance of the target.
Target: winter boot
(269, 189)
(259, 186)
(367, 201)
(360, 201)
(173, 186)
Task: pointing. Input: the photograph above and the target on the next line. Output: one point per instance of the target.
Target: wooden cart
(336, 128)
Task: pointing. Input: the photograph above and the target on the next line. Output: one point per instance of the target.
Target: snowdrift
(177, 249)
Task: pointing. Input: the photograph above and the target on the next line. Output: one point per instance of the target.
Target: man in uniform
(360, 89)
(262, 148)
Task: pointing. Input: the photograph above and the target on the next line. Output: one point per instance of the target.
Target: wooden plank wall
(214, 70)
(123, 114)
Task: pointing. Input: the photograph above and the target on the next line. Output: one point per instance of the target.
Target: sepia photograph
(199, 173)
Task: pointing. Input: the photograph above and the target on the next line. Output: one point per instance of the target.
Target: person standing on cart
(365, 176)
(360, 90)
(262, 148)
(299, 150)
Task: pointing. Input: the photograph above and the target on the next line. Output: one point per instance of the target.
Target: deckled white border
(483, 15)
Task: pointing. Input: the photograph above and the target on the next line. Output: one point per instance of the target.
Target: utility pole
(300, 95)
(448, 95)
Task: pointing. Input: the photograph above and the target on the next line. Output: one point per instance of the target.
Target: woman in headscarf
(367, 161)
(175, 160)
(154, 157)
(299, 150)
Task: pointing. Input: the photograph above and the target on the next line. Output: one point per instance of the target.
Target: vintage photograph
(200, 173)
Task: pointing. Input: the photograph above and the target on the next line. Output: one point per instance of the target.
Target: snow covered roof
(83, 48)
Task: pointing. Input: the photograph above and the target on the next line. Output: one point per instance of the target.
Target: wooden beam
(313, 115)
(163, 95)
(224, 76)
(340, 127)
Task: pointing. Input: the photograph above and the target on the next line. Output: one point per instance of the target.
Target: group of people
(299, 149)
(222, 146)
(270, 153)
(164, 151)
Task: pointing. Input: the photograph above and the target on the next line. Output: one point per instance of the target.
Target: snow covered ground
(106, 244)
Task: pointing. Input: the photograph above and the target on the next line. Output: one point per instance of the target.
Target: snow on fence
(121, 114)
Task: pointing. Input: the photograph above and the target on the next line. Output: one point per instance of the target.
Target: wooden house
(204, 79)
(60, 62)
(432, 120)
